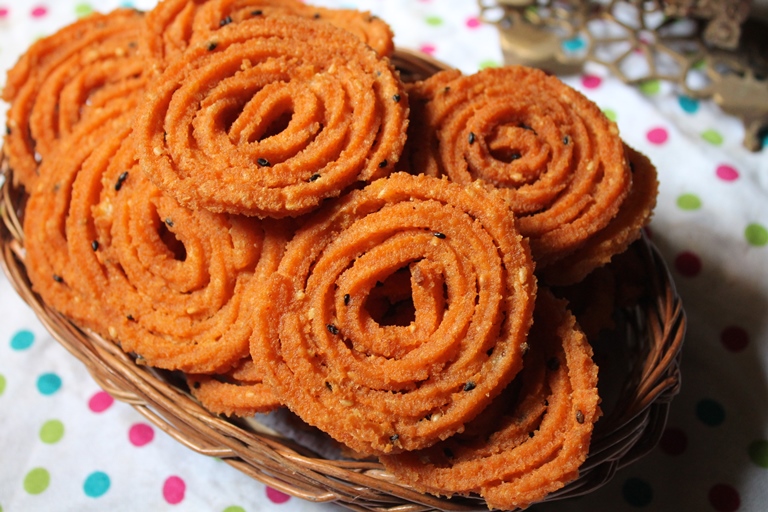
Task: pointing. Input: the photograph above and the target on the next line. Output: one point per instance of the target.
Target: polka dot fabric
(66, 444)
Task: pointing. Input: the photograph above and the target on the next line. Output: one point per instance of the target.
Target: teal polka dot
(650, 87)
(710, 412)
(22, 340)
(688, 104)
(2, 384)
(37, 481)
(758, 453)
(52, 431)
(712, 136)
(688, 202)
(97, 484)
(233, 508)
(756, 235)
(127, 5)
(83, 9)
(48, 383)
(637, 492)
(434, 21)
(574, 44)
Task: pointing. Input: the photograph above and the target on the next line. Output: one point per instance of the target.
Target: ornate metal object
(710, 49)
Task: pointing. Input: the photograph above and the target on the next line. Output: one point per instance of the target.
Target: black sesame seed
(314, 177)
(383, 164)
(579, 417)
(196, 385)
(332, 329)
(225, 21)
(514, 156)
(58, 278)
(394, 437)
(212, 46)
(169, 222)
(566, 140)
(346, 299)
(328, 385)
(396, 97)
(7, 130)
(257, 12)
(130, 318)
(317, 16)
(447, 88)
(469, 386)
(263, 162)
(95, 245)
(471, 137)
(439, 235)
(531, 434)
(120, 180)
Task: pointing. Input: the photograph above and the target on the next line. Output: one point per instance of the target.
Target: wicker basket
(649, 341)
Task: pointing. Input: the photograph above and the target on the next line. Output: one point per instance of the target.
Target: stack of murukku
(247, 192)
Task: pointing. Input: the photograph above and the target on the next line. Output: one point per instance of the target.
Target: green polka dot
(2, 386)
(83, 9)
(712, 136)
(756, 234)
(650, 87)
(233, 508)
(488, 64)
(434, 21)
(37, 481)
(758, 453)
(689, 202)
(52, 431)
(610, 114)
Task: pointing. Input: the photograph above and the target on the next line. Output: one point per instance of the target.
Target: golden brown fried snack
(64, 77)
(540, 439)
(175, 25)
(270, 117)
(385, 388)
(550, 151)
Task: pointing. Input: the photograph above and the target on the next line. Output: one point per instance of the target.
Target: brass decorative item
(709, 49)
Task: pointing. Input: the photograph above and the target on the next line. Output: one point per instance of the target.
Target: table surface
(67, 445)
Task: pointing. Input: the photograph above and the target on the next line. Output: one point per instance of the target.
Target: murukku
(626, 227)
(550, 151)
(240, 391)
(175, 25)
(62, 77)
(541, 439)
(270, 117)
(378, 386)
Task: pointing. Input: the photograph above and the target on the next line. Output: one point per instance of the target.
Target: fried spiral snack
(270, 117)
(62, 78)
(166, 283)
(536, 435)
(549, 150)
(174, 25)
(381, 387)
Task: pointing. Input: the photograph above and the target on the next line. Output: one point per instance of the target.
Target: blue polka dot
(688, 104)
(97, 484)
(22, 340)
(48, 383)
(574, 44)
(637, 492)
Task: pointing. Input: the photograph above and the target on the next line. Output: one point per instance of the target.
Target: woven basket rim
(626, 434)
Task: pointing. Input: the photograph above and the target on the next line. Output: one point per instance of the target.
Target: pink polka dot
(688, 264)
(734, 338)
(657, 136)
(591, 81)
(4, 12)
(673, 441)
(276, 496)
(100, 401)
(724, 498)
(428, 49)
(727, 173)
(473, 22)
(39, 11)
(174, 489)
(140, 434)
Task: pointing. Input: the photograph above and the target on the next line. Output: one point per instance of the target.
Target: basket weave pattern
(653, 332)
